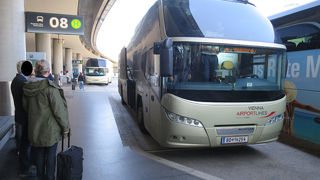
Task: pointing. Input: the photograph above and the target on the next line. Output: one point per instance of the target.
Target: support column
(68, 57)
(43, 44)
(79, 57)
(57, 58)
(12, 49)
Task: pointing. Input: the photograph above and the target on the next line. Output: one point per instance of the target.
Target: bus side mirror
(164, 48)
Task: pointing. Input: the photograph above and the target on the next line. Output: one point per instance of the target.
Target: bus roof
(212, 19)
(96, 62)
(296, 15)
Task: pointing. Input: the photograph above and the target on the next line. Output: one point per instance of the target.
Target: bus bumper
(259, 134)
(223, 124)
(178, 135)
(96, 80)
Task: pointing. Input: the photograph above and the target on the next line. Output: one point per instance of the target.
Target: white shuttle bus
(98, 71)
(203, 73)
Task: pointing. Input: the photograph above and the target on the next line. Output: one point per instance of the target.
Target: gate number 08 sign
(54, 23)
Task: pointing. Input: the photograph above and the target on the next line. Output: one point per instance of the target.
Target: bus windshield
(205, 72)
(95, 71)
(196, 18)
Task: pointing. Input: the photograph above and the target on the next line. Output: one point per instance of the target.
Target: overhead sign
(54, 23)
(34, 56)
(77, 61)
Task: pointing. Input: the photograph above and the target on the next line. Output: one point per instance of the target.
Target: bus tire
(122, 101)
(141, 120)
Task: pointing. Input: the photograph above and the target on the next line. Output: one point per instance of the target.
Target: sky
(120, 23)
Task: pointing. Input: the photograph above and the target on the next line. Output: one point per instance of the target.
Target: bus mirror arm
(156, 47)
(164, 48)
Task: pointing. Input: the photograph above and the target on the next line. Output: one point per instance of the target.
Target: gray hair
(42, 67)
(19, 64)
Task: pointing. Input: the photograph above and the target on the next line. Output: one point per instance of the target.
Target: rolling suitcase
(70, 162)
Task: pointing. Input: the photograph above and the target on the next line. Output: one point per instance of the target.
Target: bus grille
(234, 131)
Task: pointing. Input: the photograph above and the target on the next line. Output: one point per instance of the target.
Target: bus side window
(149, 65)
(315, 42)
(150, 72)
(144, 64)
(299, 37)
(302, 46)
(291, 46)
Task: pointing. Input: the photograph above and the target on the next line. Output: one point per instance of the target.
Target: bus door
(144, 89)
(145, 101)
(123, 77)
(131, 88)
(154, 91)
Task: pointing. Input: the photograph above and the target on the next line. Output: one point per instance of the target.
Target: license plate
(234, 140)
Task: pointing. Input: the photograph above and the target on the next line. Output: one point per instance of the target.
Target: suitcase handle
(62, 145)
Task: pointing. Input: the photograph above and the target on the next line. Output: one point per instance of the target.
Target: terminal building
(35, 29)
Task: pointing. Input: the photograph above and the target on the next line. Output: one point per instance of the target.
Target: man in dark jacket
(46, 106)
(81, 80)
(24, 69)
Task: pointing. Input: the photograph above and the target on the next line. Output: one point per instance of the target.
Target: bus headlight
(183, 120)
(275, 119)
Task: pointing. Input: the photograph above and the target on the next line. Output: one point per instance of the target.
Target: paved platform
(114, 148)
(6, 129)
(105, 156)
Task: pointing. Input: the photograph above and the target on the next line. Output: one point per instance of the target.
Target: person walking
(68, 77)
(24, 69)
(60, 78)
(75, 74)
(81, 79)
(46, 106)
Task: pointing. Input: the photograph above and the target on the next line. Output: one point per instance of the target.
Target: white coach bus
(203, 73)
(98, 71)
